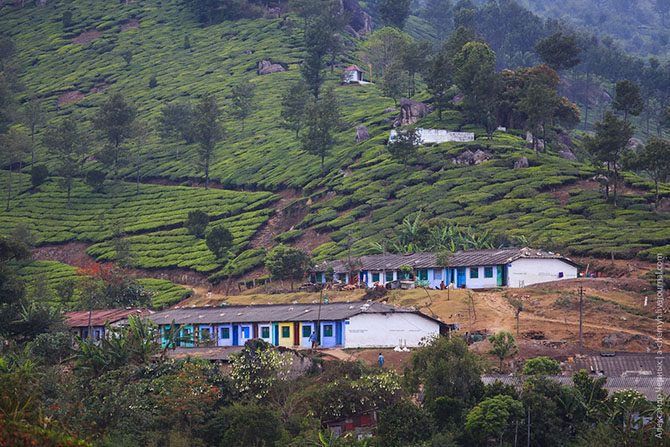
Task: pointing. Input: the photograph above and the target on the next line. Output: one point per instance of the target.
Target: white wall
(439, 136)
(481, 282)
(386, 330)
(524, 272)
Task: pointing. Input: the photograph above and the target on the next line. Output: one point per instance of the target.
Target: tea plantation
(362, 192)
(53, 274)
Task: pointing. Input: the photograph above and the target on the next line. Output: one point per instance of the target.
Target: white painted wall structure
(526, 271)
(388, 330)
(438, 136)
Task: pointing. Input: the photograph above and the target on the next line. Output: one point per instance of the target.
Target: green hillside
(362, 192)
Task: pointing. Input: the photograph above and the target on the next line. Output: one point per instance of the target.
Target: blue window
(306, 331)
(389, 276)
(422, 274)
(375, 277)
(488, 272)
(246, 332)
(437, 275)
(225, 333)
(474, 272)
(265, 332)
(327, 330)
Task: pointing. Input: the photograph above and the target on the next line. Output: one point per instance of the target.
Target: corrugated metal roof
(429, 260)
(100, 317)
(620, 364)
(648, 386)
(273, 313)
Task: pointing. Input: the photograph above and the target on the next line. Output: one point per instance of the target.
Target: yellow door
(286, 334)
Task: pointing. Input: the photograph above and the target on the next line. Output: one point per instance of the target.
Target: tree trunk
(9, 188)
(69, 191)
(137, 191)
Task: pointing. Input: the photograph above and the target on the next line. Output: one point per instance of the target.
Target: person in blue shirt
(313, 339)
(380, 360)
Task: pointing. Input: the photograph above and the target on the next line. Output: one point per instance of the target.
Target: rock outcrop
(468, 157)
(410, 112)
(360, 21)
(521, 163)
(362, 134)
(267, 67)
(567, 154)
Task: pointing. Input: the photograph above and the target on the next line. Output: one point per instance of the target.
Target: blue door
(460, 277)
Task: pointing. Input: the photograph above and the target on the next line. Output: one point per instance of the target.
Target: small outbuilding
(85, 324)
(352, 74)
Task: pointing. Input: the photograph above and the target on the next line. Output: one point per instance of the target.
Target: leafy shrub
(95, 178)
(219, 240)
(38, 175)
(196, 223)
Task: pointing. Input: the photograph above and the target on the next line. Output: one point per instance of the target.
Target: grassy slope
(373, 193)
(163, 293)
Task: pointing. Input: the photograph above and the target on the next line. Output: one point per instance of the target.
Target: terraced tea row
(50, 275)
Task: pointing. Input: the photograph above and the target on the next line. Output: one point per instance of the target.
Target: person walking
(380, 360)
(313, 339)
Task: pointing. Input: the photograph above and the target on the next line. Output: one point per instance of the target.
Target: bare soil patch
(86, 37)
(130, 25)
(70, 98)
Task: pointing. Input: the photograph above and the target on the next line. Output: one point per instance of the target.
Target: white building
(347, 325)
(437, 136)
(352, 74)
(474, 269)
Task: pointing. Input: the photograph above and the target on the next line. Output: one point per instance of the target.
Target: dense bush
(38, 175)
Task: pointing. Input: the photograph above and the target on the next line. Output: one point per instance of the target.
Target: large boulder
(359, 20)
(480, 156)
(267, 67)
(410, 112)
(466, 157)
(362, 134)
(567, 154)
(521, 163)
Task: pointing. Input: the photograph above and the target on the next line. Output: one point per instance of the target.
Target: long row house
(474, 269)
(347, 325)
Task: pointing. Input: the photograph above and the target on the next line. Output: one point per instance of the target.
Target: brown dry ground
(551, 313)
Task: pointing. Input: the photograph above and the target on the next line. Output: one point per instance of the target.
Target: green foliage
(207, 131)
(242, 102)
(628, 99)
(196, 223)
(560, 51)
(38, 175)
(654, 160)
(404, 145)
(95, 179)
(493, 417)
(323, 117)
(219, 240)
(257, 368)
(445, 367)
(403, 424)
(294, 104)
(503, 345)
(287, 263)
(394, 12)
(244, 425)
(541, 366)
(115, 120)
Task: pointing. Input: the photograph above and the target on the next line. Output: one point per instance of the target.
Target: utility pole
(581, 317)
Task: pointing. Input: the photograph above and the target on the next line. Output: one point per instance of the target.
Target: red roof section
(353, 68)
(100, 317)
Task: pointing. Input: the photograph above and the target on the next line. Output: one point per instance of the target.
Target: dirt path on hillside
(505, 317)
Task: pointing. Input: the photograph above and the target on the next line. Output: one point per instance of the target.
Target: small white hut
(352, 74)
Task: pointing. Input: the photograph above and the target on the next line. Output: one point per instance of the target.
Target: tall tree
(481, 85)
(439, 14)
(413, 57)
(242, 100)
(115, 120)
(16, 146)
(492, 418)
(628, 99)
(323, 118)
(559, 51)
(381, 49)
(67, 144)
(219, 240)
(539, 103)
(34, 117)
(394, 12)
(607, 148)
(394, 83)
(294, 103)
(503, 345)
(176, 121)
(654, 160)
(207, 131)
(438, 77)
(405, 144)
(287, 263)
